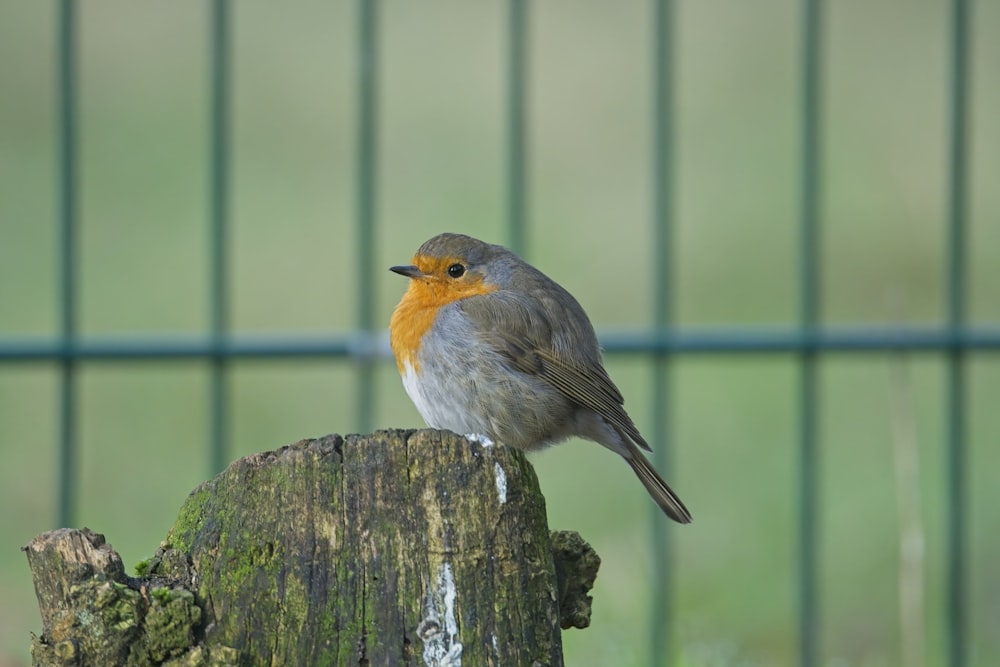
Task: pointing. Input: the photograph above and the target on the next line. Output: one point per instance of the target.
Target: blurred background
(144, 269)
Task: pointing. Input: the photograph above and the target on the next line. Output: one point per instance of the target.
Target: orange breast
(411, 320)
(415, 314)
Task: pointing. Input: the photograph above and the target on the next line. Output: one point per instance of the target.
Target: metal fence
(808, 342)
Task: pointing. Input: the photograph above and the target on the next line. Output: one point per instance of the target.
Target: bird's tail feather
(658, 488)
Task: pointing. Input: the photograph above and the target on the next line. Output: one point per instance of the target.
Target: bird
(487, 344)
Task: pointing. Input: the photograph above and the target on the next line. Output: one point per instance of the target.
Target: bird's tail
(657, 488)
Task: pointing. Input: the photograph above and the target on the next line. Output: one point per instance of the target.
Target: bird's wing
(531, 337)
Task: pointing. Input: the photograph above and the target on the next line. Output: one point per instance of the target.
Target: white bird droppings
(480, 438)
(441, 645)
(501, 478)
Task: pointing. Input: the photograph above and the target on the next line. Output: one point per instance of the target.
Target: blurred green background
(144, 267)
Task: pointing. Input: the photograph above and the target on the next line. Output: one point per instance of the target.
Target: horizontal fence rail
(358, 346)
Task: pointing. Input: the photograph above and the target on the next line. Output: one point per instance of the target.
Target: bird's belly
(441, 406)
(484, 396)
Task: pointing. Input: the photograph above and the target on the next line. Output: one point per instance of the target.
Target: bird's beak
(408, 271)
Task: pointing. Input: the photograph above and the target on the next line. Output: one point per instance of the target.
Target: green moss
(169, 626)
(206, 656)
(246, 559)
(161, 595)
(142, 567)
(295, 608)
(189, 519)
(106, 618)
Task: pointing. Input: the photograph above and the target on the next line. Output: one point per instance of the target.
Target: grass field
(144, 266)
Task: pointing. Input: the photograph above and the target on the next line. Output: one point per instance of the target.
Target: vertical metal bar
(516, 133)
(67, 260)
(366, 155)
(219, 222)
(808, 513)
(809, 317)
(661, 645)
(957, 194)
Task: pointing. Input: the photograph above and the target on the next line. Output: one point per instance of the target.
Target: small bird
(488, 344)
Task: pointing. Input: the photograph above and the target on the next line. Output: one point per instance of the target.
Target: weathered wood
(93, 614)
(397, 548)
(576, 565)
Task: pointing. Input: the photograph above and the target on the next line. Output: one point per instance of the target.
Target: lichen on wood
(93, 614)
(399, 547)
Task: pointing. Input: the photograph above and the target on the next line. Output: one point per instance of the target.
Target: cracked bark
(395, 548)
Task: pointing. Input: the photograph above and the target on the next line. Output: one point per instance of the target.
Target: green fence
(808, 343)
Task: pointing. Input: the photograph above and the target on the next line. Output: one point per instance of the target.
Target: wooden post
(395, 548)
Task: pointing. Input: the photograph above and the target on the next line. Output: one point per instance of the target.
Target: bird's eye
(456, 270)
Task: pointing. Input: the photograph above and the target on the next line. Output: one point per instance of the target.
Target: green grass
(144, 266)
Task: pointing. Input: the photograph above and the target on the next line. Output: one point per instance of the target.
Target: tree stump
(396, 548)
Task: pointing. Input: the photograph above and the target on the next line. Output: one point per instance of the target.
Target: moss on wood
(400, 547)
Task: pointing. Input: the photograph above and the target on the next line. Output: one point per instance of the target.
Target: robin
(488, 344)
